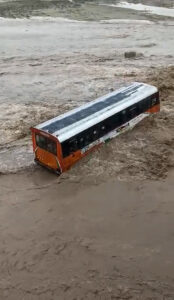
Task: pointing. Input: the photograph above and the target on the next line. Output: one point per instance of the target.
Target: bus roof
(77, 120)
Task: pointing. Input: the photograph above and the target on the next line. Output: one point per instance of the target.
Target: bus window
(123, 116)
(65, 149)
(46, 144)
(51, 146)
(81, 142)
(110, 123)
(73, 146)
(103, 130)
(41, 141)
(87, 139)
(149, 102)
(143, 106)
(154, 100)
(95, 134)
(133, 112)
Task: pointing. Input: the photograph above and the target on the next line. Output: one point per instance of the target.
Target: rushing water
(161, 11)
(48, 65)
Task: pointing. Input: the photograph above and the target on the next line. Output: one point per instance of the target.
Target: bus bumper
(56, 171)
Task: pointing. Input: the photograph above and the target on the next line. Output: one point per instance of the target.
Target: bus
(60, 142)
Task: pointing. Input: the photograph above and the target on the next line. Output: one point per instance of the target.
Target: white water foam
(125, 21)
(162, 11)
(40, 19)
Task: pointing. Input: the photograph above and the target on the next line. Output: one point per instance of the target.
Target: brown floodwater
(68, 240)
(103, 230)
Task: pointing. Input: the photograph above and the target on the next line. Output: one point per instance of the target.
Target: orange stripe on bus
(154, 109)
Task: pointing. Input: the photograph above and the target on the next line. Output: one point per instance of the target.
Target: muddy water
(49, 66)
(75, 241)
(51, 36)
(86, 234)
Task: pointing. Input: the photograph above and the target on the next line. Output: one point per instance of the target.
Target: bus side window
(87, 139)
(143, 106)
(65, 149)
(157, 98)
(133, 112)
(89, 136)
(153, 100)
(95, 134)
(81, 142)
(149, 103)
(112, 123)
(108, 124)
(103, 129)
(73, 146)
(123, 116)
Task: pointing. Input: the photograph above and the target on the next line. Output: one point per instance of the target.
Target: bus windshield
(46, 144)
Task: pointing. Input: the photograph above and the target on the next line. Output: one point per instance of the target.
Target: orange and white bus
(62, 141)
